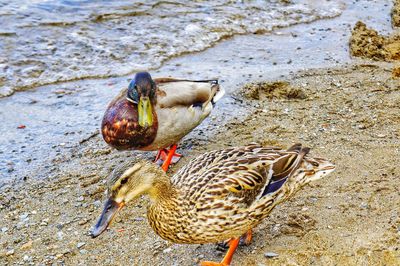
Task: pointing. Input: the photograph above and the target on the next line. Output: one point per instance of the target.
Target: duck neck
(163, 191)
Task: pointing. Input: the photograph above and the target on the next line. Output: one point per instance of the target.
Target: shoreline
(47, 221)
(270, 56)
(345, 109)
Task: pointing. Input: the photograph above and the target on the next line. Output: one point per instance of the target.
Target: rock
(24, 217)
(270, 255)
(4, 229)
(272, 90)
(97, 203)
(396, 72)
(82, 222)
(367, 43)
(80, 244)
(60, 235)
(27, 245)
(10, 252)
(396, 14)
(167, 250)
(83, 251)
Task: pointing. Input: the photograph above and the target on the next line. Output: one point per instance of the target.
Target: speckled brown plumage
(219, 194)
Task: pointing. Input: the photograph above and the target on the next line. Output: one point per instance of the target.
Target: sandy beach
(344, 108)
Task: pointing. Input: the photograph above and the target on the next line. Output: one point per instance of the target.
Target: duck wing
(206, 162)
(181, 92)
(243, 176)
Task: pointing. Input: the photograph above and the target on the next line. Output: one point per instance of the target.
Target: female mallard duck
(155, 114)
(217, 196)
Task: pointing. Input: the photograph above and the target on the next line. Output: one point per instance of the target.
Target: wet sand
(348, 113)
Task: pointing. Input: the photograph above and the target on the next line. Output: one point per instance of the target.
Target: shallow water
(47, 41)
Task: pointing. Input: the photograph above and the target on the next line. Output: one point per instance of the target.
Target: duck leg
(245, 240)
(168, 157)
(233, 244)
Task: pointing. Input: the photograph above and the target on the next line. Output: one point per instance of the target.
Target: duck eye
(153, 88)
(133, 94)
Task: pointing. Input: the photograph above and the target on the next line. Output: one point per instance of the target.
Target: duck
(220, 195)
(155, 114)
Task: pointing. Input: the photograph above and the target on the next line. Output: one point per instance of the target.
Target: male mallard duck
(217, 196)
(155, 114)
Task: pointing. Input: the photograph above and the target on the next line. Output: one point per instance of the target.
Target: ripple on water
(43, 42)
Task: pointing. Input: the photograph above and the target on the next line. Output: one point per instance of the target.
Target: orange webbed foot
(233, 244)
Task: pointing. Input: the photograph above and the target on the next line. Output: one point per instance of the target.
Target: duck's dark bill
(145, 112)
(110, 209)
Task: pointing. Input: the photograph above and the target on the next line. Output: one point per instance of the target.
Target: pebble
(10, 252)
(97, 203)
(81, 198)
(60, 235)
(4, 229)
(313, 199)
(82, 222)
(24, 217)
(271, 254)
(80, 244)
(167, 250)
(27, 245)
(83, 251)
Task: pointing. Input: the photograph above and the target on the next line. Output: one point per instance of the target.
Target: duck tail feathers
(219, 92)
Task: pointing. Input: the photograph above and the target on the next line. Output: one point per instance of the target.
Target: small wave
(44, 42)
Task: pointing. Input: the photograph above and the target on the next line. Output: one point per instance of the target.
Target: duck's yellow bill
(145, 112)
